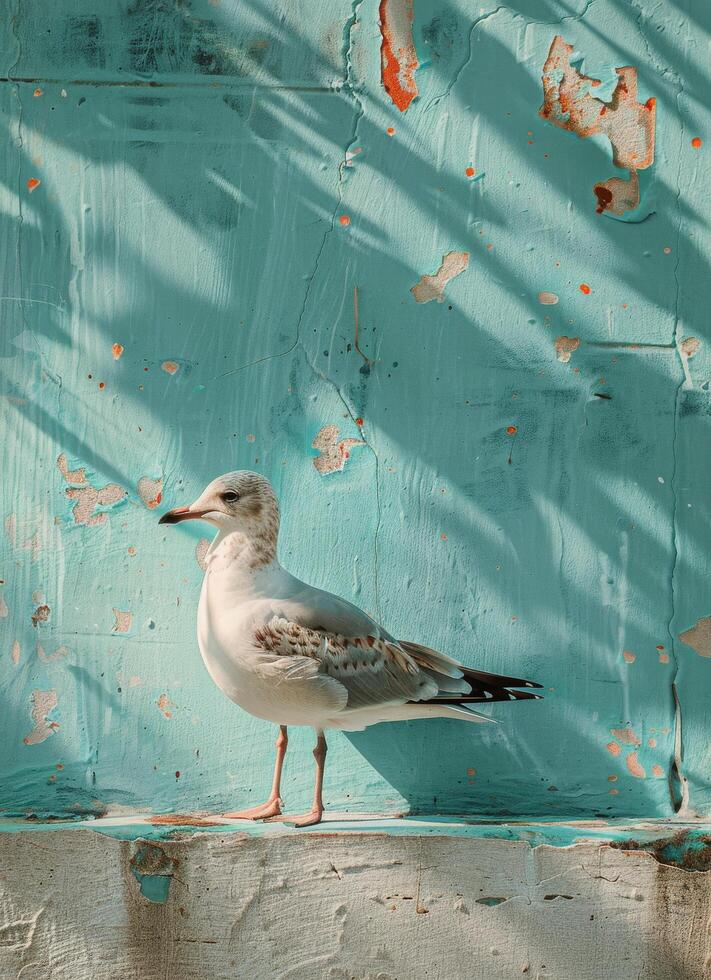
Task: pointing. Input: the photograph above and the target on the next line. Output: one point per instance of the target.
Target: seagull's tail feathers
(358, 719)
(459, 685)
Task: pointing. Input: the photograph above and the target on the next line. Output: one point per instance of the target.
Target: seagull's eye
(230, 496)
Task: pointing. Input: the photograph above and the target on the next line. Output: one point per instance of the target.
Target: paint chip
(333, 454)
(689, 346)
(613, 748)
(150, 491)
(629, 656)
(629, 125)
(117, 350)
(122, 621)
(344, 220)
(165, 704)
(75, 477)
(88, 498)
(548, 299)
(626, 736)
(696, 142)
(32, 184)
(15, 652)
(634, 767)
(41, 614)
(699, 637)
(4, 611)
(170, 367)
(398, 57)
(657, 771)
(432, 287)
(43, 702)
(565, 346)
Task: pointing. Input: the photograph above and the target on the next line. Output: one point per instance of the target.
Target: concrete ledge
(370, 898)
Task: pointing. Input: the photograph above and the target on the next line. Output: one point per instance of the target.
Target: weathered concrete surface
(344, 907)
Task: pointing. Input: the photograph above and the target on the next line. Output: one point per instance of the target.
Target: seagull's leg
(316, 812)
(272, 808)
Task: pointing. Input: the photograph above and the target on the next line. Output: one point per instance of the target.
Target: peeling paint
(634, 767)
(629, 125)
(75, 477)
(565, 346)
(4, 611)
(548, 299)
(43, 702)
(432, 287)
(122, 621)
(626, 736)
(165, 705)
(117, 350)
(698, 637)
(333, 453)
(398, 57)
(16, 652)
(58, 654)
(150, 491)
(153, 870)
(88, 498)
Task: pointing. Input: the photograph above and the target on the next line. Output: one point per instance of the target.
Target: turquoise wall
(530, 504)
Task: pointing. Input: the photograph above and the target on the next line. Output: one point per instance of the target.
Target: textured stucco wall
(191, 193)
(341, 907)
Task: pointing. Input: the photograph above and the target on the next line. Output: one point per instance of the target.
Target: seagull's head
(240, 501)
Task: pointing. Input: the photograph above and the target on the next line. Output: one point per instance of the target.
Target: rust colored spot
(37, 92)
(32, 184)
(629, 657)
(657, 771)
(584, 288)
(344, 220)
(398, 58)
(432, 287)
(471, 772)
(612, 779)
(390, 130)
(652, 743)
(170, 367)
(122, 621)
(117, 351)
(150, 491)
(102, 385)
(359, 421)
(164, 704)
(629, 125)
(634, 767)
(564, 347)
(696, 142)
(470, 171)
(663, 658)
(511, 430)
(613, 748)
(333, 453)
(41, 614)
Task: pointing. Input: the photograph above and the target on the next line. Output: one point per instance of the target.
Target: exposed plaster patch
(628, 124)
(150, 491)
(432, 287)
(613, 748)
(547, 299)
(565, 346)
(117, 350)
(687, 850)
(4, 611)
(626, 736)
(88, 498)
(698, 637)
(75, 477)
(16, 652)
(122, 621)
(18, 934)
(50, 658)
(201, 549)
(11, 529)
(41, 614)
(688, 348)
(634, 767)
(333, 454)
(398, 57)
(170, 367)
(43, 702)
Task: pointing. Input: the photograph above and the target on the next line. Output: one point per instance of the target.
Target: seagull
(293, 654)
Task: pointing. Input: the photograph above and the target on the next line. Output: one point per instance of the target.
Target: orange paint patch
(344, 220)
(652, 743)
(164, 704)
(117, 351)
(613, 748)
(626, 736)
(584, 288)
(696, 142)
(471, 772)
(37, 92)
(612, 779)
(657, 771)
(359, 421)
(398, 58)
(470, 171)
(32, 184)
(511, 430)
(390, 130)
(629, 656)
(170, 367)
(663, 658)
(102, 385)
(634, 767)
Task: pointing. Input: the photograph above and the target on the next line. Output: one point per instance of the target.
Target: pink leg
(272, 808)
(316, 812)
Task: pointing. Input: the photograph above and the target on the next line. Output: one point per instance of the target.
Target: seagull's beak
(179, 514)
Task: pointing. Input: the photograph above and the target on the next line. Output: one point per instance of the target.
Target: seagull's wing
(372, 671)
